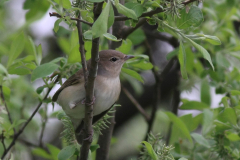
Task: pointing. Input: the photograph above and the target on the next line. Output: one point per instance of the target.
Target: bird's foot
(90, 136)
(90, 103)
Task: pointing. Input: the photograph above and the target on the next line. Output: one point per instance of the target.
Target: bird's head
(111, 62)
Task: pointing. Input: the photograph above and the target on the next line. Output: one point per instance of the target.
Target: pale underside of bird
(71, 95)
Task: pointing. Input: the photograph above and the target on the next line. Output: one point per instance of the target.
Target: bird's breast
(107, 91)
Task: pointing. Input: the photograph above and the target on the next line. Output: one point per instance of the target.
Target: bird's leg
(91, 103)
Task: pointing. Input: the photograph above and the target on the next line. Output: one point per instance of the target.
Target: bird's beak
(128, 57)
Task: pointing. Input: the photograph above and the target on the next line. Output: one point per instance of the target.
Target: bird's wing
(78, 77)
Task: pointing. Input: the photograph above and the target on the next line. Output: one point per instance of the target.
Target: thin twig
(187, 2)
(146, 14)
(54, 14)
(81, 48)
(3, 143)
(136, 104)
(159, 78)
(88, 131)
(29, 119)
(6, 107)
(44, 120)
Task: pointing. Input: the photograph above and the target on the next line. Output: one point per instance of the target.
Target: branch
(159, 78)
(128, 30)
(136, 104)
(3, 143)
(44, 120)
(146, 14)
(187, 2)
(29, 119)
(88, 131)
(6, 107)
(54, 14)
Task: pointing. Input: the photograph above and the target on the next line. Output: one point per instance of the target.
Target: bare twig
(44, 120)
(187, 2)
(6, 107)
(136, 104)
(29, 120)
(88, 131)
(54, 14)
(3, 143)
(159, 78)
(81, 48)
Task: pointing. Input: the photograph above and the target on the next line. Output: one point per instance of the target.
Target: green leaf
(66, 4)
(202, 50)
(183, 158)
(235, 92)
(211, 39)
(100, 26)
(232, 136)
(43, 70)
(54, 151)
(195, 105)
(228, 115)
(94, 147)
(205, 92)
(3, 70)
(172, 54)
(207, 121)
(16, 48)
(88, 35)
(19, 71)
(182, 60)
(200, 140)
(41, 153)
(66, 152)
(220, 126)
(56, 25)
(142, 64)
(133, 73)
(137, 37)
(150, 150)
(125, 47)
(136, 7)
(193, 18)
(179, 124)
(111, 37)
(111, 17)
(125, 11)
(40, 89)
(222, 60)
(94, 0)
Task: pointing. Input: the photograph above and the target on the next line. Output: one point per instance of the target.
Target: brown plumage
(71, 94)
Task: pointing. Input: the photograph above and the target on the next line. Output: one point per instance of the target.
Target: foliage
(208, 55)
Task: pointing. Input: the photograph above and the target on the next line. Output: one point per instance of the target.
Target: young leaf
(111, 17)
(16, 48)
(125, 11)
(235, 92)
(43, 70)
(133, 73)
(19, 71)
(54, 151)
(125, 47)
(95, 0)
(172, 54)
(228, 115)
(193, 18)
(56, 25)
(182, 60)
(111, 37)
(150, 150)
(100, 26)
(211, 39)
(136, 7)
(194, 105)
(202, 50)
(66, 152)
(179, 123)
(88, 35)
(41, 153)
(200, 140)
(205, 92)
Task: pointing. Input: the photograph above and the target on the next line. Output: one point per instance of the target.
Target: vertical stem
(88, 131)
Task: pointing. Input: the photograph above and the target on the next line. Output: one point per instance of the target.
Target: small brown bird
(71, 95)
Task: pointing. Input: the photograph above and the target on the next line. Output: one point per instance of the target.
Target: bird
(71, 95)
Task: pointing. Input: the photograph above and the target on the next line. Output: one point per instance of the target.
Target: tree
(204, 41)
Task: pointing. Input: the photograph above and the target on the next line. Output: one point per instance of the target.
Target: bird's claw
(91, 103)
(90, 136)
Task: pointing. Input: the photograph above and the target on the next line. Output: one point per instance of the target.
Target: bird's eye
(113, 59)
